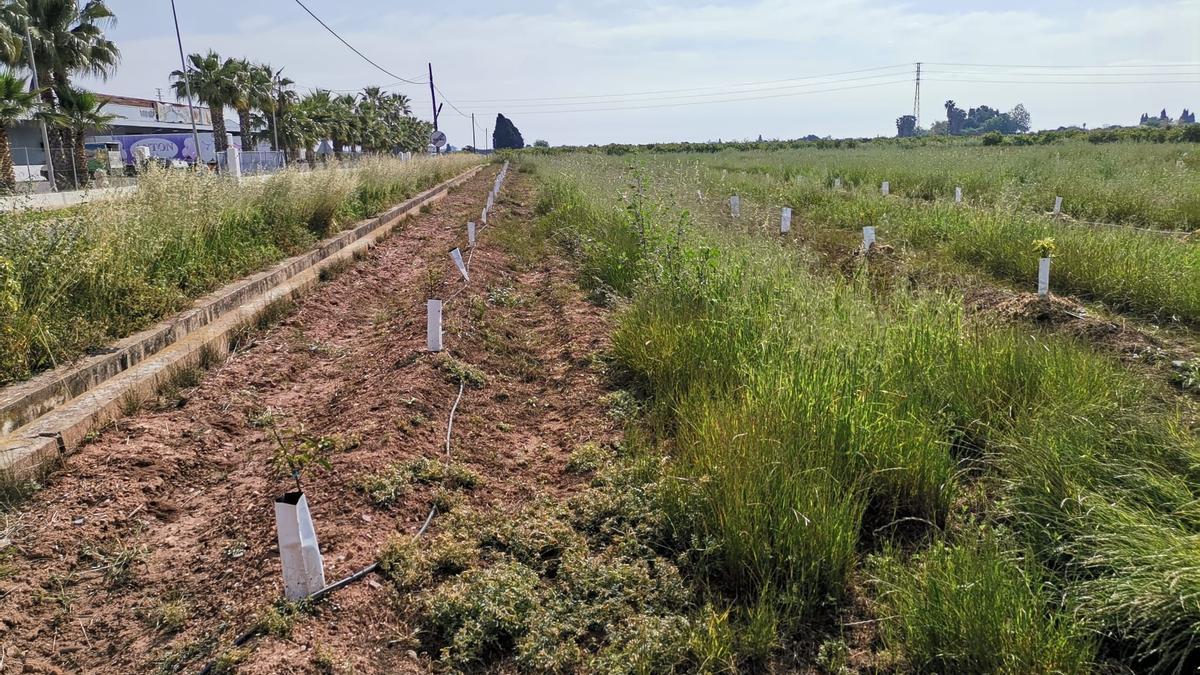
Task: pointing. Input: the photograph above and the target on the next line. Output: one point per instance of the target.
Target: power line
(730, 92)
(1091, 82)
(726, 100)
(471, 116)
(1127, 65)
(356, 89)
(687, 89)
(584, 99)
(352, 48)
(446, 100)
(994, 73)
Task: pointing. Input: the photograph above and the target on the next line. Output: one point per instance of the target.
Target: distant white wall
(57, 200)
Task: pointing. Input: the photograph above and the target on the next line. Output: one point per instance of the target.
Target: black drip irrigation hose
(246, 636)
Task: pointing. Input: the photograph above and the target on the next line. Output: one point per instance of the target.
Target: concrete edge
(22, 402)
(32, 450)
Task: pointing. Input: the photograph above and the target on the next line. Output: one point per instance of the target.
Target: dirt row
(155, 545)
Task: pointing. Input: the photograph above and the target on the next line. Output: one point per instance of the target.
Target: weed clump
(580, 586)
(461, 373)
(587, 458)
(393, 483)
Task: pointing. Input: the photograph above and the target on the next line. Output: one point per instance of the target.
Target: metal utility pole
(278, 101)
(45, 136)
(917, 99)
(187, 84)
(486, 143)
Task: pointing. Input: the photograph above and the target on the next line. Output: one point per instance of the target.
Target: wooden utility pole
(473, 146)
(436, 108)
(187, 84)
(433, 98)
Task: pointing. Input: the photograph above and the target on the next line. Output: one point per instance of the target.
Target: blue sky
(487, 53)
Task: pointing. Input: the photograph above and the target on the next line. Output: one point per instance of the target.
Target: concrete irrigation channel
(46, 418)
(150, 544)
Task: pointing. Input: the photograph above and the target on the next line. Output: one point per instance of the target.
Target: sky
(639, 71)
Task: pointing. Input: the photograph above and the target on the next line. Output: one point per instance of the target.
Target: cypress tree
(506, 135)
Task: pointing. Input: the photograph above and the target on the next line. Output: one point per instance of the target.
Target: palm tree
(373, 95)
(285, 98)
(12, 41)
(344, 125)
(400, 103)
(15, 101)
(324, 122)
(68, 39)
(252, 84)
(79, 111)
(212, 83)
(299, 129)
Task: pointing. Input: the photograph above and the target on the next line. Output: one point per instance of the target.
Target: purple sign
(165, 146)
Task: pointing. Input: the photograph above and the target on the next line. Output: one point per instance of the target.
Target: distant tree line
(1176, 134)
(1164, 120)
(972, 122)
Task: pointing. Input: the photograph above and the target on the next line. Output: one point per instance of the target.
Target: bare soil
(155, 545)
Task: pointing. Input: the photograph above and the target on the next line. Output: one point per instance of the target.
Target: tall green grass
(946, 604)
(812, 421)
(78, 280)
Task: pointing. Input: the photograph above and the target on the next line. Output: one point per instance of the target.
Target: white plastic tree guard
(303, 569)
(735, 206)
(233, 162)
(885, 188)
(785, 222)
(958, 195)
(1043, 277)
(433, 325)
(868, 237)
(456, 256)
(471, 234)
(1057, 205)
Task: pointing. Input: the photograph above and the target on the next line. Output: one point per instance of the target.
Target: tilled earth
(155, 545)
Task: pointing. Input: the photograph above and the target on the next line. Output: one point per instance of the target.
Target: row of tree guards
(299, 550)
(868, 241)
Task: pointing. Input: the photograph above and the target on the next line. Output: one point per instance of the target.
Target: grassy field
(826, 457)
(1146, 185)
(79, 279)
(1129, 270)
